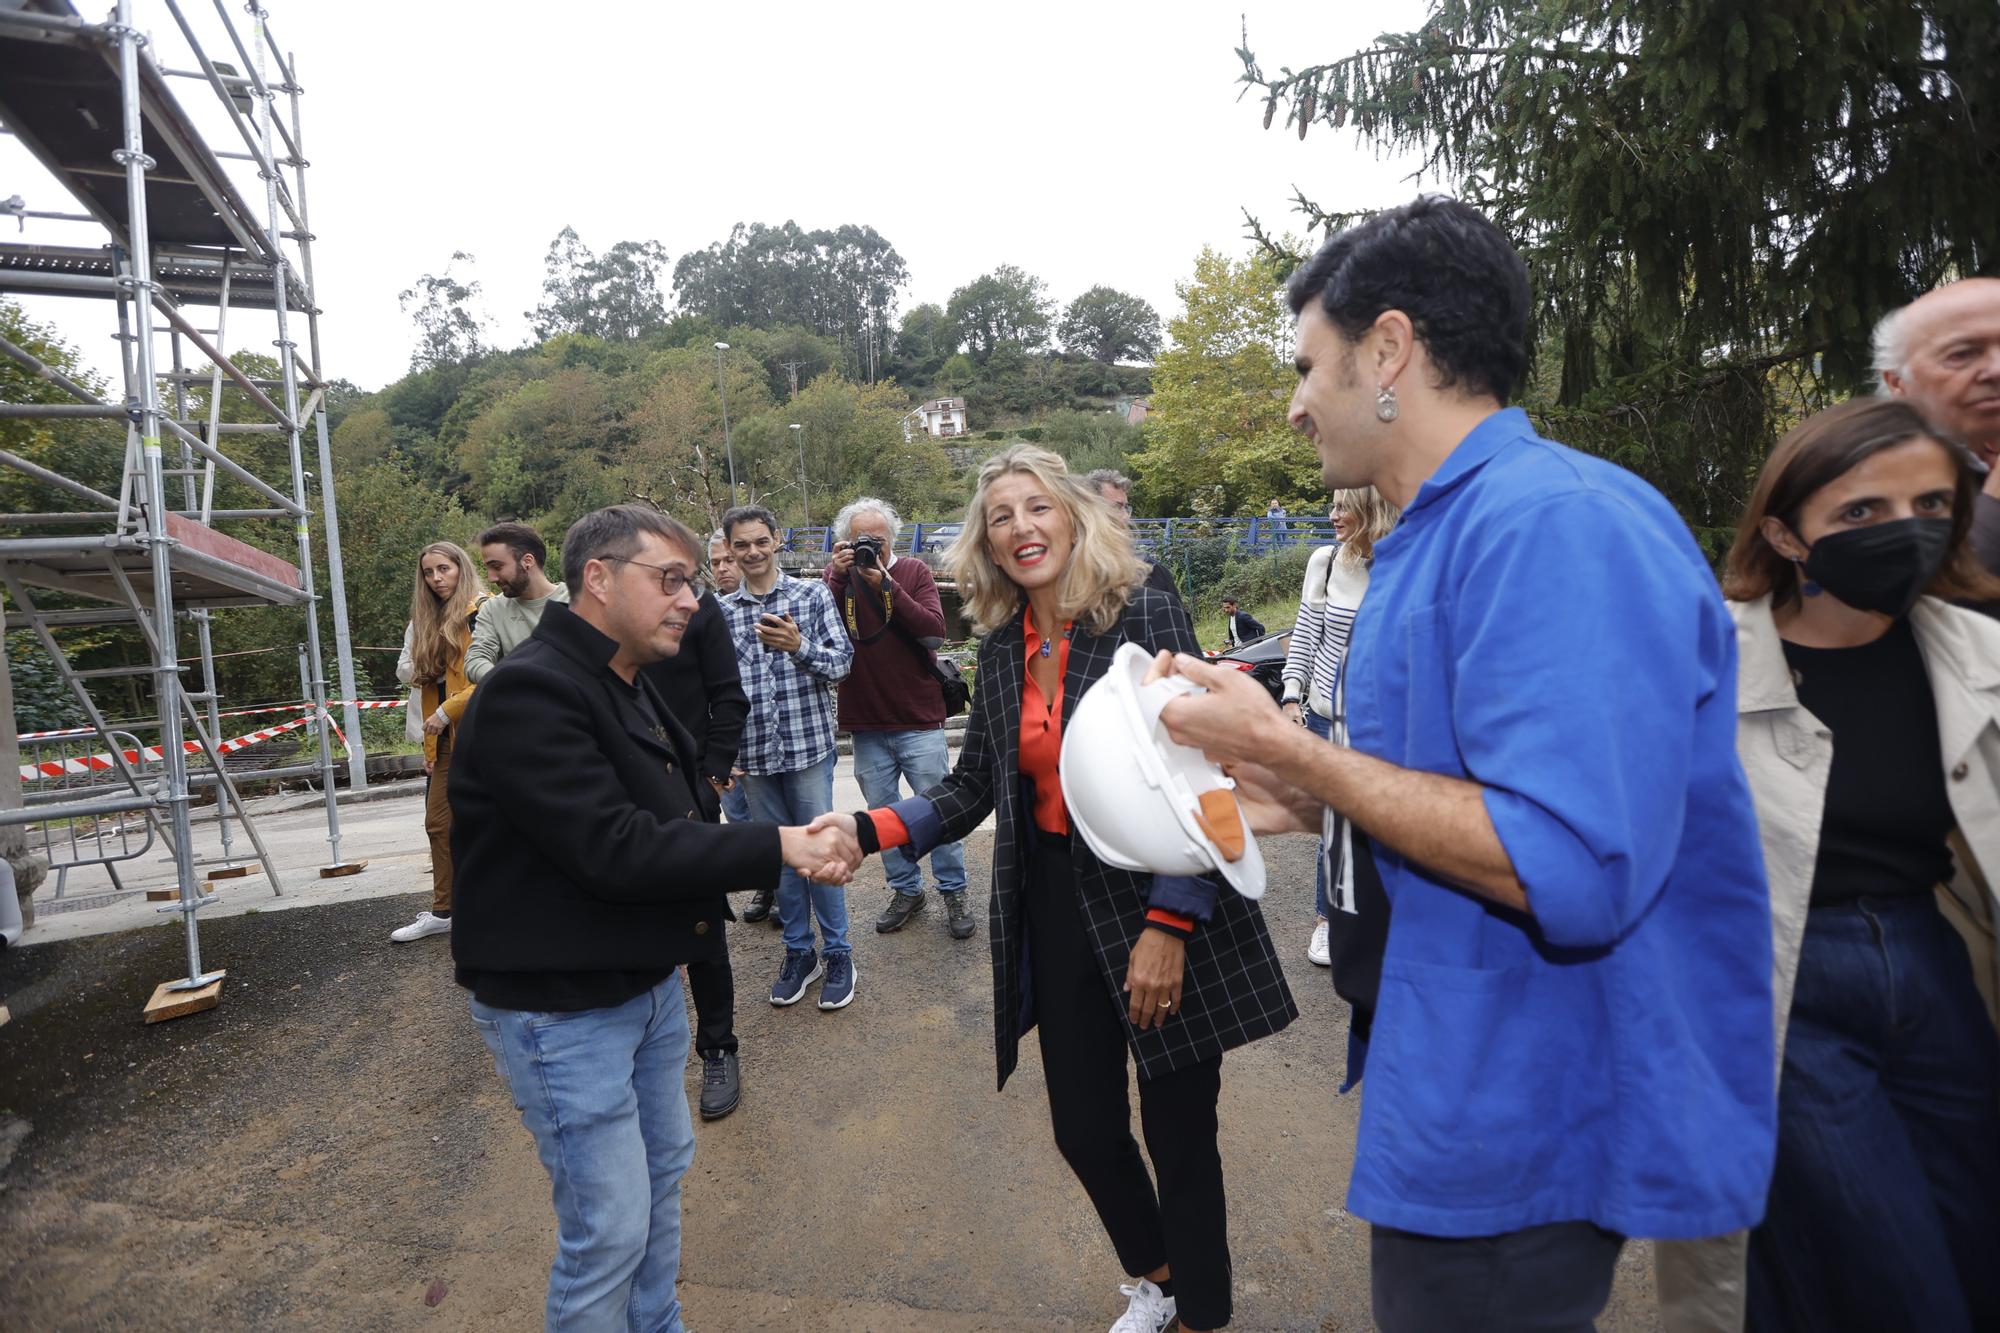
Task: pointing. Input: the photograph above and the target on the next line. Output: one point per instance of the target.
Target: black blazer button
(701, 927)
(1958, 772)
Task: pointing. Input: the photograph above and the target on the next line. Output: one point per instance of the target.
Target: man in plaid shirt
(791, 649)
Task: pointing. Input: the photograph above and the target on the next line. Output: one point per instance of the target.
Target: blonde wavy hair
(1374, 517)
(1102, 568)
(437, 629)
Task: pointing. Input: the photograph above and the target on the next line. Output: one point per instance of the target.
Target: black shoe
(902, 906)
(721, 1085)
(958, 913)
(760, 905)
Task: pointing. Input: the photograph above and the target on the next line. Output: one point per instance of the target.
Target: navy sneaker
(838, 992)
(802, 967)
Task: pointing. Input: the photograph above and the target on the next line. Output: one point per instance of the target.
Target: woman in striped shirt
(1336, 580)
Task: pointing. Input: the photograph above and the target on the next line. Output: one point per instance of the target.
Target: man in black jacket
(591, 865)
(704, 692)
(1241, 626)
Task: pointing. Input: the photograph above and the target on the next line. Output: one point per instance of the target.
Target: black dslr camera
(868, 552)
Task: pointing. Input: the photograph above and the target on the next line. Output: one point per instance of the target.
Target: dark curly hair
(1445, 266)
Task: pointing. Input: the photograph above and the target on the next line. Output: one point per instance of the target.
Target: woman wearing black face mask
(1870, 731)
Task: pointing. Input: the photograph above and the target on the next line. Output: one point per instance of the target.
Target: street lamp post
(727, 448)
(805, 501)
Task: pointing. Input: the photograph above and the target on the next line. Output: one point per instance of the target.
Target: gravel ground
(331, 1148)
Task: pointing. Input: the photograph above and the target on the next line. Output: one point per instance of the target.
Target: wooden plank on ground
(231, 872)
(344, 868)
(169, 1003)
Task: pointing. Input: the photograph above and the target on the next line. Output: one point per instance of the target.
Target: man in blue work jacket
(1572, 1038)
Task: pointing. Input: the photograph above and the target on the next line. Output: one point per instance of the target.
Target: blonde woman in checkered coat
(1100, 961)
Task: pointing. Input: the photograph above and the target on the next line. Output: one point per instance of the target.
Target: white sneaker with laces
(425, 924)
(1318, 951)
(1151, 1310)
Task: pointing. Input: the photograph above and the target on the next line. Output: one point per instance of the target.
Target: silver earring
(1385, 403)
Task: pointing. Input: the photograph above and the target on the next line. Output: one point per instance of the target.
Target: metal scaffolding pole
(289, 373)
(143, 392)
(336, 574)
(223, 790)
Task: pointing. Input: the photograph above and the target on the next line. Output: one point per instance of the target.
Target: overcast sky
(1087, 143)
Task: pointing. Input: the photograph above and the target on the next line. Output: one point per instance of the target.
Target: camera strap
(847, 604)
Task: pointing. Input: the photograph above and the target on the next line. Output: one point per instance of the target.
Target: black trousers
(713, 986)
(1184, 1222)
(1548, 1279)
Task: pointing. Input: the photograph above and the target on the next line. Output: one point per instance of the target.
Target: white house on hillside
(943, 417)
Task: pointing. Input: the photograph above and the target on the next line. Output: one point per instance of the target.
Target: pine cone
(1306, 100)
(1270, 109)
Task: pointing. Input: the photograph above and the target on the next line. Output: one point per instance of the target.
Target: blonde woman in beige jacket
(1869, 730)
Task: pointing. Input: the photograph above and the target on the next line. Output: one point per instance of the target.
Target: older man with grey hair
(1116, 488)
(1942, 353)
(891, 702)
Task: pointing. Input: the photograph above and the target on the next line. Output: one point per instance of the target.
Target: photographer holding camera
(890, 702)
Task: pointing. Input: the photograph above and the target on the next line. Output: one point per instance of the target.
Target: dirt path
(332, 1144)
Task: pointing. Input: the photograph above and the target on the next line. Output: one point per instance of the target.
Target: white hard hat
(1142, 800)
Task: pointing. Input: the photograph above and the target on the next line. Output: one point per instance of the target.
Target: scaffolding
(95, 107)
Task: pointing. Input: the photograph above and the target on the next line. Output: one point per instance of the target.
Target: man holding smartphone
(791, 650)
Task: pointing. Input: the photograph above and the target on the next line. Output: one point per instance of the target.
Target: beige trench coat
(1787, 754)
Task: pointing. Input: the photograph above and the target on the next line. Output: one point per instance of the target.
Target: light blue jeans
(920, 758)
(601, 1090)
(796, 798)
(735, 805)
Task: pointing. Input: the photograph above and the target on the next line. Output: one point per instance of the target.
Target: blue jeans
(601, 1090)
(1322, 728)
(922, 759)
(799, 798)
(735, 805)
(1885, 1205)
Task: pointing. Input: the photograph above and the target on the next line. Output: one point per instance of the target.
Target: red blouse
(1041, 733)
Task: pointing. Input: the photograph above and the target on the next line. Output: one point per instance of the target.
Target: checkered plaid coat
(1233, 990)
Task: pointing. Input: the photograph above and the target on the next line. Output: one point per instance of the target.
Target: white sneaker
(1317, 951)
(425, 924)
(1151, 1310)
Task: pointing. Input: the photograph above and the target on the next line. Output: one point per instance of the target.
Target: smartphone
(775, 622)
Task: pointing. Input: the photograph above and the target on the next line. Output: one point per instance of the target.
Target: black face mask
(1884, 567)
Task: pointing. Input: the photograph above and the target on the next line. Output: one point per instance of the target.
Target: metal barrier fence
(68, 768)
(1258, 534)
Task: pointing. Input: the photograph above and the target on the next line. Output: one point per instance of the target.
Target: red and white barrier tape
(97, 763)
(240, 712)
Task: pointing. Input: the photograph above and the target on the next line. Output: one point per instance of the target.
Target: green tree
(840, 283)
(675, 452)
(1109, 325)
(615, 295)
(1715, 201)
(521, 449)
(922, 345)
(998, 308)
(852, 439)
(87, 451)
(1221, 389)
(444, 310)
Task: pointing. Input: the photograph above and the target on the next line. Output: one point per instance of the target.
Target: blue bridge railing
(1257, 534)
